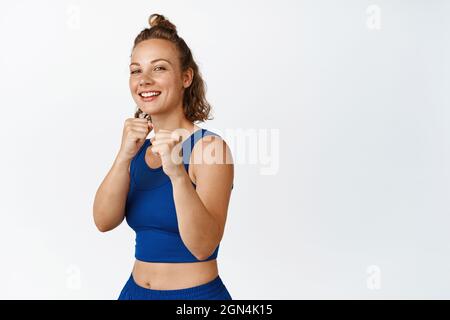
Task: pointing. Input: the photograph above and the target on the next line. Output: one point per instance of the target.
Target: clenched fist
(135, 132)
(167, 144)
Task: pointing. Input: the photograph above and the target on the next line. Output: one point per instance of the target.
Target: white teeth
(149, 94)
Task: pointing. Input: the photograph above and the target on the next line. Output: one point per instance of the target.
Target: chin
(150, 109)
(145, 107)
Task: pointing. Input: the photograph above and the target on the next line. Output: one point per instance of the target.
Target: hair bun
(158, 20)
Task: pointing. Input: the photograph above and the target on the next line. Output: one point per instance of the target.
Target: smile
(149, 95)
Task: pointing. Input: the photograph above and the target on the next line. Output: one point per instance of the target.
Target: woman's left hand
(167, 144)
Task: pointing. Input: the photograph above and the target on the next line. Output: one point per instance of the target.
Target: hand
(167, 144)
(135, 132)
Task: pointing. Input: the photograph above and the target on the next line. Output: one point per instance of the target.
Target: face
(155, 68)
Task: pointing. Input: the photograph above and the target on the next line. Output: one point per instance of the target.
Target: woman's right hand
(135, 131)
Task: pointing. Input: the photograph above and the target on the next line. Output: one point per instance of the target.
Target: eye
(162, 68)
(135, 71)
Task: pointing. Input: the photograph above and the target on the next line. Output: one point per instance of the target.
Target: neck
(171, 121)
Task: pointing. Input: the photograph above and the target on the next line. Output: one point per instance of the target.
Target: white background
(363, 120)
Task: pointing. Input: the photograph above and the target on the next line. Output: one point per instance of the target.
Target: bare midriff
(173, 276)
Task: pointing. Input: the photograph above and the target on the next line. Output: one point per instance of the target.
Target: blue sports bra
(150, 208)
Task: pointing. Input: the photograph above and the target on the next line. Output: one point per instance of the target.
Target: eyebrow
(153, 61)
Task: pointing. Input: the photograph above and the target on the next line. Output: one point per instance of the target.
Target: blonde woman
(174, 200)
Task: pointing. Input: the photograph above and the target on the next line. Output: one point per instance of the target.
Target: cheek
(173, 86)
(169, 80)
(133, 84)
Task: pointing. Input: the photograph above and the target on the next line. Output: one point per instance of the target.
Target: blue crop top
(150, 208)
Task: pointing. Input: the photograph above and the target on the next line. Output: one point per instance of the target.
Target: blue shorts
(213, 290)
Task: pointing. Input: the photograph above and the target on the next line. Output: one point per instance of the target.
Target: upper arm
(213, 170)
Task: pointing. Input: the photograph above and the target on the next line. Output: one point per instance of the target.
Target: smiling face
(155, 69)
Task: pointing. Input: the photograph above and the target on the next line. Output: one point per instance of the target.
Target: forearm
(110, 199)
(198, 228)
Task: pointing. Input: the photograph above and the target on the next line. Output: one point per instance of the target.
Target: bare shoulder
(212, 149)
(212, 156)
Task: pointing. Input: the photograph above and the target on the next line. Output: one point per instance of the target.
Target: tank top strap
(137, 155)
(189, 144)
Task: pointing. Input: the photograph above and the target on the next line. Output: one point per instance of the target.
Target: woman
(173, 189)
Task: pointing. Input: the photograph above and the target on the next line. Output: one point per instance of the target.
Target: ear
(188, 76)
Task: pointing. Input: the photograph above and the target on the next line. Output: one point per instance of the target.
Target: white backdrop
(354, 93)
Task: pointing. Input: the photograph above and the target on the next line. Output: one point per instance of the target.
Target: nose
(145, 80)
